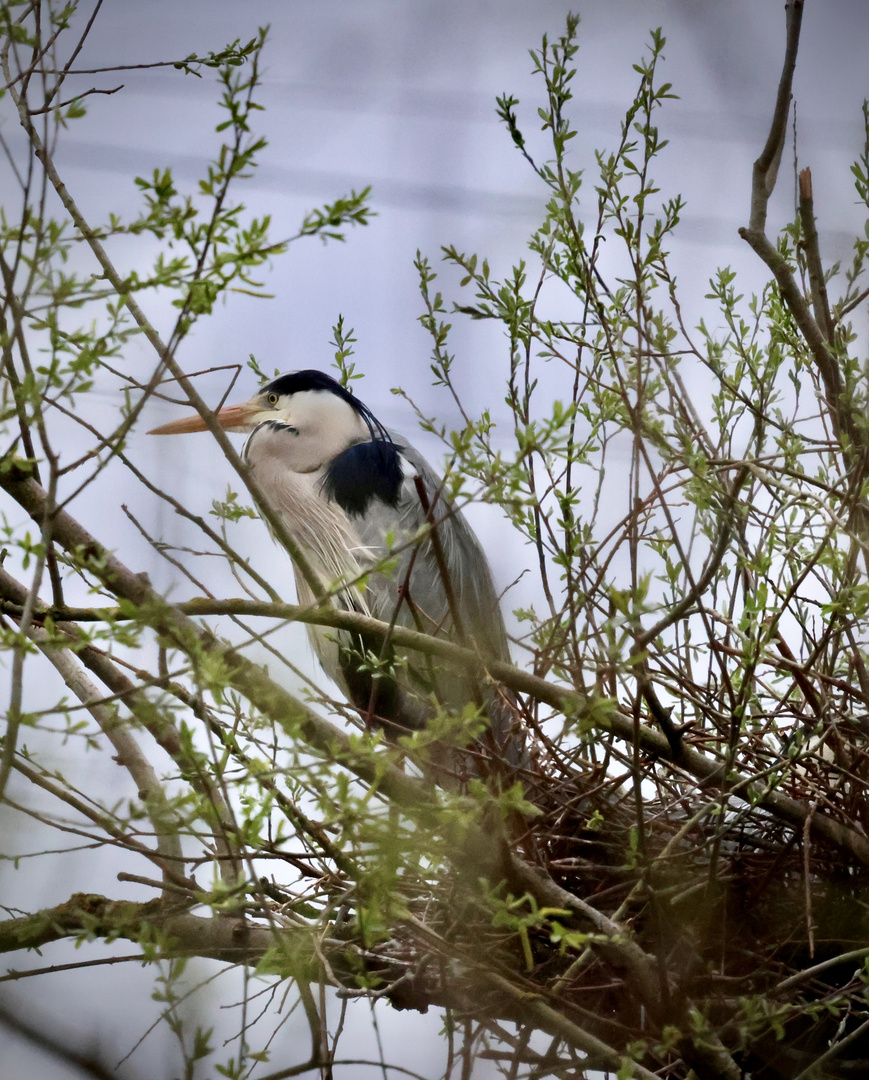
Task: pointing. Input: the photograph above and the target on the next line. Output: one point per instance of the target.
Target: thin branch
(713, 564)
(163, 730)
(73, 100)
(831, 376)
(129, 753)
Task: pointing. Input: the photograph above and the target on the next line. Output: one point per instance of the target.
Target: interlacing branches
(671, 883)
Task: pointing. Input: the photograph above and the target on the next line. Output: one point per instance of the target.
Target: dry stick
(800, 677)
(817, 283)
(765, 169)
(52, 969)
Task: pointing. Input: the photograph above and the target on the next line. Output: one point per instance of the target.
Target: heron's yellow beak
(232, 418)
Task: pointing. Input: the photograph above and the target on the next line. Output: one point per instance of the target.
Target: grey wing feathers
(412, 593)
(467, 566)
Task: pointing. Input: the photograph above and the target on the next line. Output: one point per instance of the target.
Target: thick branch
(766, 167)
(831, 376)
(299, 952)
(813, 257)
(219, 938)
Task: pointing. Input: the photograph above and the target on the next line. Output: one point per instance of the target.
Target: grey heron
(370, 515)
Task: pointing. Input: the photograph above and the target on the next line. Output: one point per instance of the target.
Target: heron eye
(272, 399)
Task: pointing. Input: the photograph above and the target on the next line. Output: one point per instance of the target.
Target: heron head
(323, 416)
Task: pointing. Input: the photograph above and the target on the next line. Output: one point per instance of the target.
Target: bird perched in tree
(370, 517)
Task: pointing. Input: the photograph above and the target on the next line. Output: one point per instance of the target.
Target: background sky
(400, 94)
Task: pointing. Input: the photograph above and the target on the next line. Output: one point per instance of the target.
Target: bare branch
(766, 166)
(813, 258)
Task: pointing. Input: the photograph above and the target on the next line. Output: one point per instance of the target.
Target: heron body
(361, 503)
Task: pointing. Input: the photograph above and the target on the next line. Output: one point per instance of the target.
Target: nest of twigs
(738, 907)
(752, 919)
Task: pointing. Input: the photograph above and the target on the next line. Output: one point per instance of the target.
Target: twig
(72, 100)
(158, 723)
(678, 611)
(807, 845)
(831, 377)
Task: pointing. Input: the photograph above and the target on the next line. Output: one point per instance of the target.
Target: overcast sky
(400, 94)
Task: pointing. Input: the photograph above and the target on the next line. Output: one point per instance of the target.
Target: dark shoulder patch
(362, 473)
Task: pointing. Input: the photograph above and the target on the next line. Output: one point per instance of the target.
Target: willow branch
(765, 169)
(831, 376)
(817, 284)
